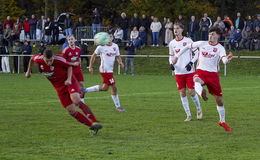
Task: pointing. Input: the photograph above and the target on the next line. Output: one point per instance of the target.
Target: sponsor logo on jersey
(70, 54)
(114, 48)
(74, 58)
(215, 49)
(184, 43)
(51, 68)
(72, 90)
(177, 50)
(47, 74)
(207, 55)
(110, 54)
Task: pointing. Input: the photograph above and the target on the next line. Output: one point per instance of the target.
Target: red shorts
(211, 80)
(79, 76)
(108, 78)
(184, 80)
(65, 91)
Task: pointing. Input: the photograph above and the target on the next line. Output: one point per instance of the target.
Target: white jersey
(176, 47)
(209, 55)
(107, 56)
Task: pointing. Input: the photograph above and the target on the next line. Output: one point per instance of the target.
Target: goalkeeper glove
(172, 67)
(189, 66)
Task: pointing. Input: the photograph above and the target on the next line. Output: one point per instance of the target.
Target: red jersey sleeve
(62, 61)
(37, 58)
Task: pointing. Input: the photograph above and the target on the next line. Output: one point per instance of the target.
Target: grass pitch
(33, 125)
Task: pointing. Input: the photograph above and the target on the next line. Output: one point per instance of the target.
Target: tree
(10, 8)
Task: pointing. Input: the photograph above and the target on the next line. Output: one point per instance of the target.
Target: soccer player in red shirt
(72, 55)
(59, 73)
(210, 53)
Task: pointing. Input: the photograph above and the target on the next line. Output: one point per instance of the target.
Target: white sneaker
(199, 115)
(157, 45)
(188, 119)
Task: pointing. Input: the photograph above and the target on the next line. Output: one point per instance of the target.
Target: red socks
(81, 118)
(87, 111)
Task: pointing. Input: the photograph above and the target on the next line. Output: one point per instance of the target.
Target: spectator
(17, 50)
(118, 34)
(193, 28)
(249, 23)
(135, 22)
(162, 31)
(247, 37)
(208, 19)
(228, 22)
(5, 59)
(130, 58)
(26, 27)
(180, 20)
(123, 23)
(68, 25)
(8, 21)
(168, 32)
(79, 30)
(96, 21)
(17, 27)
(40, 26)
(7, 36)
(220, 24)
(235, 39)
(33, 24)
(257, 22)
(204, 28)
(144, 21)
(239, 22)
(155, 27)
(42, 48)
(16, 32)
(47, 31)
(27, 50)
(134, 37)
(1, 31)
(142, 36)
(55, 32)
(255, 44)
(84, 51)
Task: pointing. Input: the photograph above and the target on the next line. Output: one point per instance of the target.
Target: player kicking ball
(108, 52)
(210, 53)
(184, 78)
(59, 72)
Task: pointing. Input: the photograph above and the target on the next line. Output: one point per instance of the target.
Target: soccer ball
(101, 38)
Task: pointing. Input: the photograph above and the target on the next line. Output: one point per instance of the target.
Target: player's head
(178, 29)
(48, 57)
(71, 40)
(214, 34)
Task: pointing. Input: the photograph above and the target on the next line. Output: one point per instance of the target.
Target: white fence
(136, 56)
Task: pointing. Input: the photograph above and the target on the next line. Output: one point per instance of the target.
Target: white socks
(185, 104)
(92, 89)
(196, 100)
(198, 88)
(221, 112)
(116, 100)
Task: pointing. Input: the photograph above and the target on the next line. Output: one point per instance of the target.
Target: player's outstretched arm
(120, 62)
(69, 75)
(29, 69)
(91, 62)
(175, 58)
(227, 58)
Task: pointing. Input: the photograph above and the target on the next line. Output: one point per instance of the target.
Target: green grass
(33, 125)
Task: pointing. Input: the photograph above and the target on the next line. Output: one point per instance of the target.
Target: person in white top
(118, 35)
(210, 53)
(184, 78)
(108, 53)
(155, 27)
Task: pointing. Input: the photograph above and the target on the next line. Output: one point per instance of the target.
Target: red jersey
(72, 55)
(57, 72)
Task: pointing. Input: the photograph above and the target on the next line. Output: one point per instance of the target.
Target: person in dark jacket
(48, 30)
(239, 22)
(33, 24)
(135, 22)
(84, 51)
(27, 50)
(68, 25)
(55, 32)
(124, 25)
(17, 50)
(130, 48)
(144, 21)
(79, 29)
(193, 28)
(96, 21)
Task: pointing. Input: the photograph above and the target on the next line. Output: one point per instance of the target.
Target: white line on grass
(123, 95)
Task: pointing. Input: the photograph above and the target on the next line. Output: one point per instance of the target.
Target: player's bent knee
(71, 109)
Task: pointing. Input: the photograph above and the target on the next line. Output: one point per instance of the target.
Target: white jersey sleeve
(98, 50)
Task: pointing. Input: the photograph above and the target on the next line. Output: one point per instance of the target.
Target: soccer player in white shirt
(210, 53)
(108, 53)
(184, 78)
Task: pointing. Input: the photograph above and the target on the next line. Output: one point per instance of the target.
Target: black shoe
(95, 127)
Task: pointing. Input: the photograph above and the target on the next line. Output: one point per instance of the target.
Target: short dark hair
(179, 24)
(215, 29)
(48, 54)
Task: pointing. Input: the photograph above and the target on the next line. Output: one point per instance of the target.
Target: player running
(184, 78)
(210, 53)
(59, 73)
(108, 53)
(72, 55)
